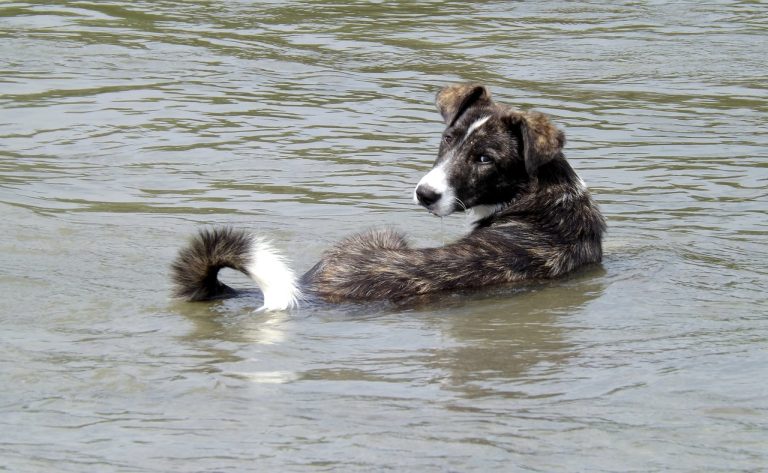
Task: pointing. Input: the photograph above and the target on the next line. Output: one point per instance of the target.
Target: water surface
(126, 125)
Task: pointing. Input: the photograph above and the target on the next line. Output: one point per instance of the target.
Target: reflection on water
(125, 125)
(491, 356)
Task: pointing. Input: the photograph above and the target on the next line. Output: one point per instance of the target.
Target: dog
(533, 219)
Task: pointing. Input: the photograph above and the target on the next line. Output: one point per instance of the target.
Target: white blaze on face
(474, 126)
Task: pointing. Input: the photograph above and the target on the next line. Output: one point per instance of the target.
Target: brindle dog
(534, 219)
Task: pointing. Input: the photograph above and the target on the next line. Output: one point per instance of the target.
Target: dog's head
(489, 153)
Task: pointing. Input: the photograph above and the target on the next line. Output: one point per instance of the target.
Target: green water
(126, 125)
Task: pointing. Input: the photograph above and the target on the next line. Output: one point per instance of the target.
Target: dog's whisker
(461, 204)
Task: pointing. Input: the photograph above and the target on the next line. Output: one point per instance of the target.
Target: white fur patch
(480, 212)
(275, 279)
(437, 180)
(474, 126)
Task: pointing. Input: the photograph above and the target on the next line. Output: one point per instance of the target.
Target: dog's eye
(483, 159)
(448, 139)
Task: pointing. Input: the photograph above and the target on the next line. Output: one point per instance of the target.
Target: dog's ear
(542, 141)
(452, 101)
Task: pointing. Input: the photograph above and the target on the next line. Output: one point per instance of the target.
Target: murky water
(125, 125)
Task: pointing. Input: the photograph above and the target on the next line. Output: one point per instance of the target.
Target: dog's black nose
(427, 196)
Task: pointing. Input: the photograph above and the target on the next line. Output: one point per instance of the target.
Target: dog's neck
(559, 184)
(482, 212)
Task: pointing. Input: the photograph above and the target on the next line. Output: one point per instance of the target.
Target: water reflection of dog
(506, 342)
(229, 343)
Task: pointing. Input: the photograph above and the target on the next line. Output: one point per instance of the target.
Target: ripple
(127, 124)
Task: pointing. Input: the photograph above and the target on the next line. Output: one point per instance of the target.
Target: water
(126, 125)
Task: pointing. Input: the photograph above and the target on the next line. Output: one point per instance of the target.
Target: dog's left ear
(452, 101)
(542, 141)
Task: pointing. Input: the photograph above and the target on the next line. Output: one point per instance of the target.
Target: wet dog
(533, 219)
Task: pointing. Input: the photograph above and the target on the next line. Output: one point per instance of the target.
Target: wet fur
(196, 268)
(537, 219)
(535, 237)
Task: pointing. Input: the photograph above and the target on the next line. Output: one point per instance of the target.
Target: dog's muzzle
(434, 193)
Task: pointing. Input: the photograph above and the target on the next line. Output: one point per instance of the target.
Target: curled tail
(196, 268)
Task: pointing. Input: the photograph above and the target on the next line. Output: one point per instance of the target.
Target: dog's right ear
(452, 101)
(542, 140)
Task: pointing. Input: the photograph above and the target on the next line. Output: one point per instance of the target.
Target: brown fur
(451, 98)
(542, 140)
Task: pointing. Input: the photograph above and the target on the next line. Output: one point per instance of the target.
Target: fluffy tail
(197, 266)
